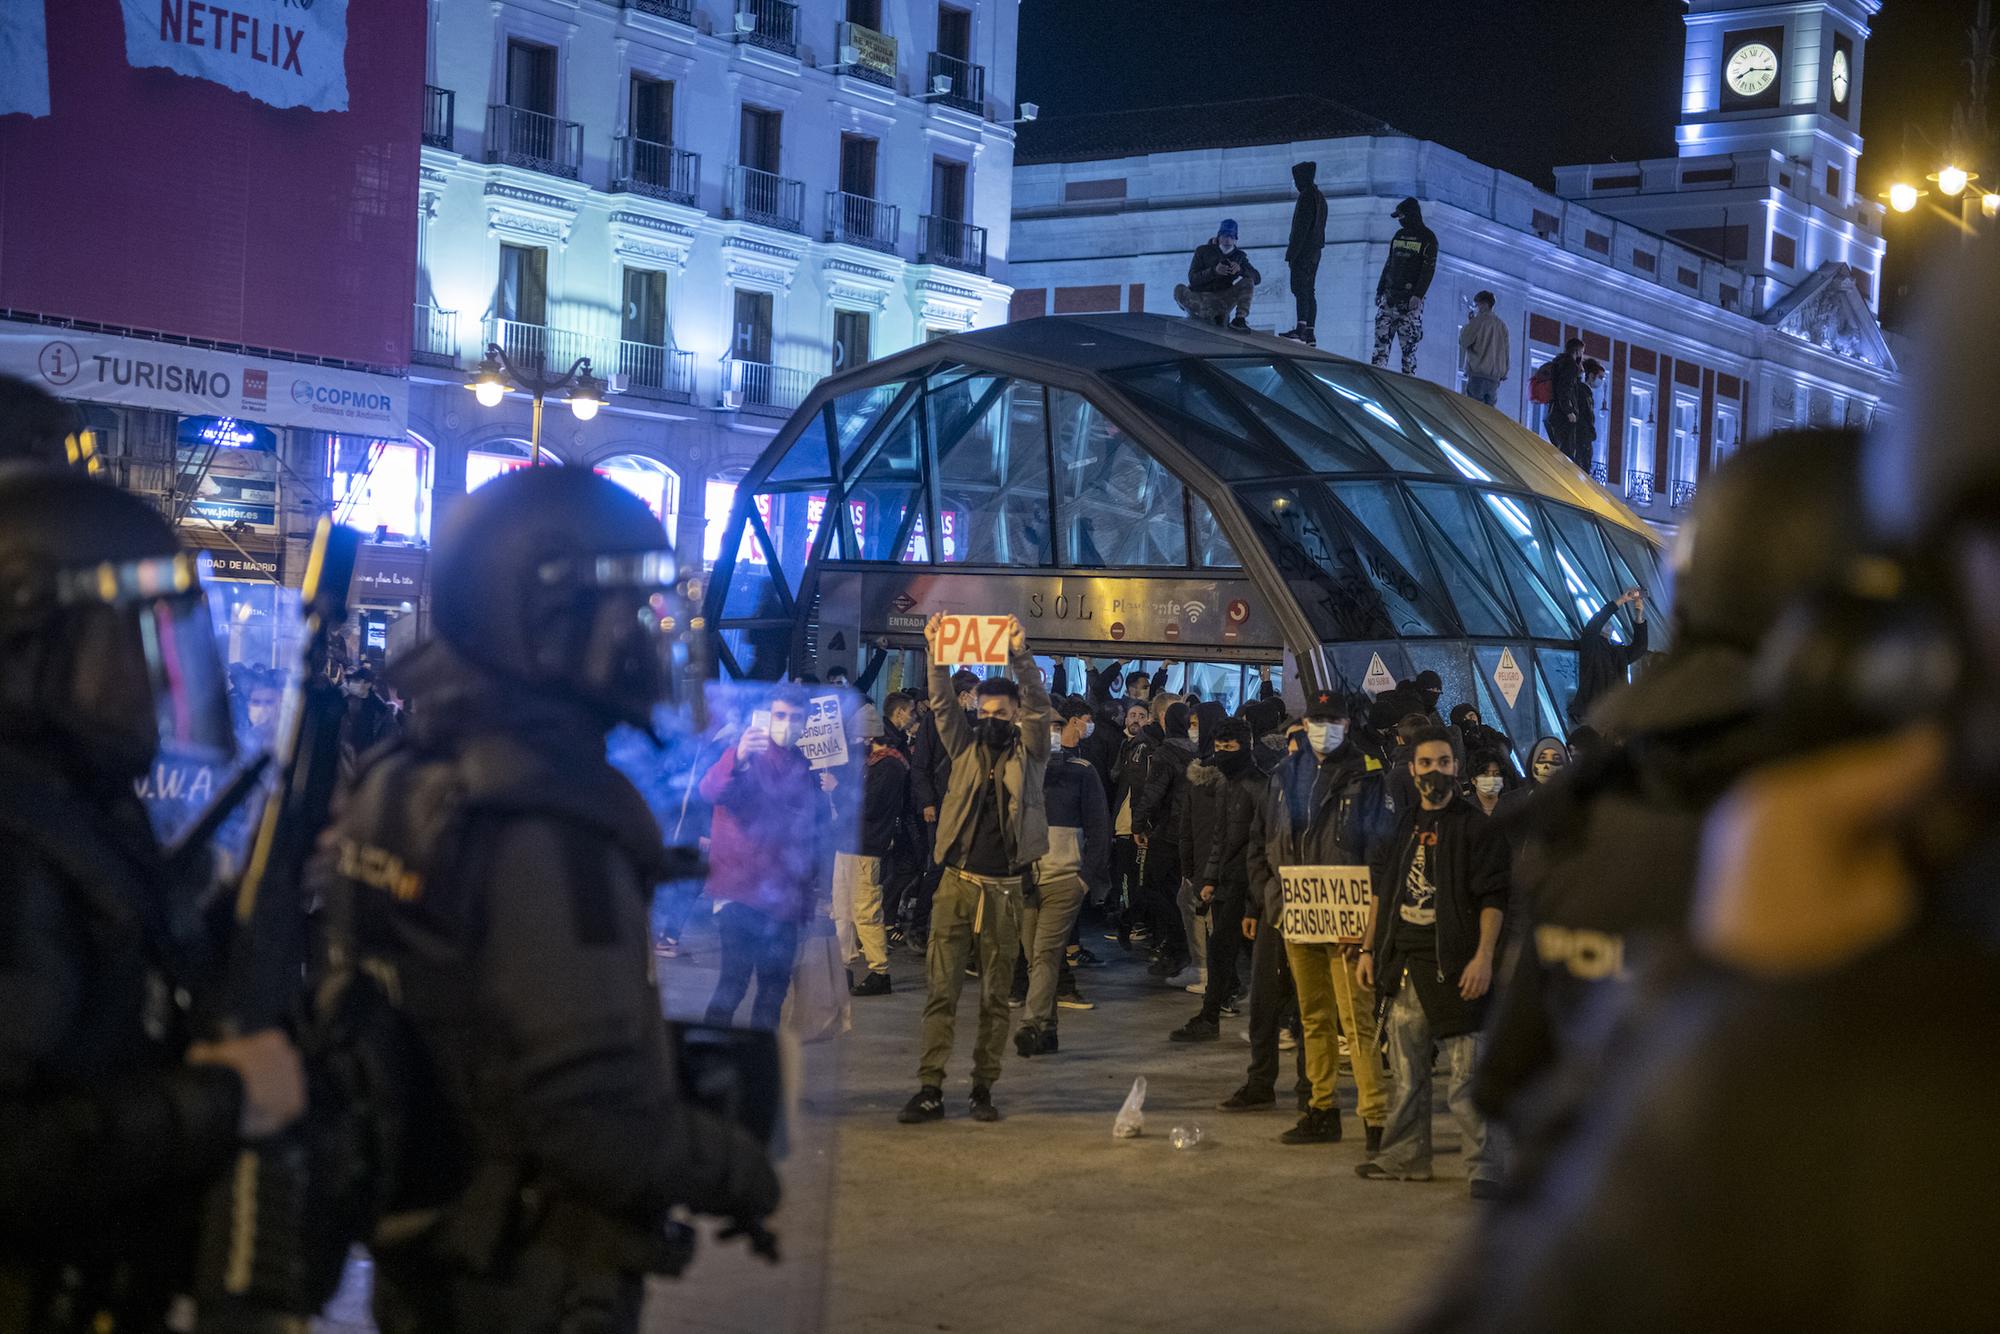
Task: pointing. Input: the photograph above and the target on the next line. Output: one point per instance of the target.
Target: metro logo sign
(289, 53)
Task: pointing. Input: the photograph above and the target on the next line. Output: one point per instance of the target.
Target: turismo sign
(200, 382)
(288, 53)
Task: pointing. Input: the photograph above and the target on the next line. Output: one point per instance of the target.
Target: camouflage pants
(1216, 307)
(1399, 321)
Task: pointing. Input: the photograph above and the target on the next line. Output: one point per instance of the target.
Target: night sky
(1524, 86)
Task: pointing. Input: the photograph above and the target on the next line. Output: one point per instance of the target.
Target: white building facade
(715, 201)
(1703, 352)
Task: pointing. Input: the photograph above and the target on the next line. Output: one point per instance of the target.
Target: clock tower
(1783, 77)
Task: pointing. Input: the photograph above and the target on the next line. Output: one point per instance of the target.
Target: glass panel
(1212, 547)
(855, 412)
(760, 652)
(1453, 664)
(879, 499)
(1381, 512)
(752, 592)
(1523, 559)
(1351, 662)
(792, 518)
(1180, 387)
(1340, 577)
(1281, 401)
(1482, 608)
(953, 406)
(1579, 542)
(1365, 412)
(1466, 450)
(993, 484)
(1641, 564)
(1517, 720)
(1555, 679)
(806, 460)
(1451, 510)
(1197, 416)
(1118, 505)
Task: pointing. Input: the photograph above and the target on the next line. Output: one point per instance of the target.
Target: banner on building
(24, 59)
(286, 53)
(199, 382)
(865, 48)
(1325, 905)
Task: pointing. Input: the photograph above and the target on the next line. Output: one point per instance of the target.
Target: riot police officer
(112, 1121)
(499, 872)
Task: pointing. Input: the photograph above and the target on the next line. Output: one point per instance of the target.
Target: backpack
(1542, 385)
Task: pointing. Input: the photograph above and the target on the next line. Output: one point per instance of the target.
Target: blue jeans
(1485, 390)
(1406, 1139)
(753, 944)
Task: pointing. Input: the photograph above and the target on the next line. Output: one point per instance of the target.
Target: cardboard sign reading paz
(1325, 905)
(976, 640)
(824, 742)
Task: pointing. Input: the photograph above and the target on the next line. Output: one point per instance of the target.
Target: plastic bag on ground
(1131, 1122)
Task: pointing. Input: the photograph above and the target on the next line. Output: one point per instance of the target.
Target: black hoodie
(1413, 256)
(1308, 236)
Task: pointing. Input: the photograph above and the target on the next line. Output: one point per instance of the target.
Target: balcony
(858, 220)
(968, 83)
(440, 114)
(770, 391)
(954, 244)
(771, 24)
(522, 138)
(652, 370)
(865, 54)
(766, 198)
(1639, 489)
(1683, 495)
(434, 341)
(680, 11)
(658, 171)
(539, 347)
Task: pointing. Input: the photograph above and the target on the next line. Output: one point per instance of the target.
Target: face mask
(781, 732)
(1232, 762)
(1194, 736)
(1055, 741)
(1434, 786)
(261, 714)
(1488, 785)
(357, 689)
(996, 733)
(1226, 243)
(1088, 728)
(1326, 737)
(1544, 770)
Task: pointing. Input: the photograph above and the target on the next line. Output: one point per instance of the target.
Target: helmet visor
(636, 648)
(165, 644)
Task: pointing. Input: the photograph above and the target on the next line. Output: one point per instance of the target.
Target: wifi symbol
(1194, 611)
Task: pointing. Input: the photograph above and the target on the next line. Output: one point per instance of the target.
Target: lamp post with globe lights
(497, 375)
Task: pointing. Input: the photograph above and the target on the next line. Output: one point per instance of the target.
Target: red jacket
(764, 836)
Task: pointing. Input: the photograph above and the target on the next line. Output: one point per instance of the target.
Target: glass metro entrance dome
(1181, 491)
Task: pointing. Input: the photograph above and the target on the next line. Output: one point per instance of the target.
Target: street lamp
(497, 374)
(1989, 204)
(1952, 179)
(1903, 196)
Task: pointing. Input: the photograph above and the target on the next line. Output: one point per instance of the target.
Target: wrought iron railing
(859, 220)
(771, 24)
(659, 171)
(863, 53)
(680, 11)
(541, 347)
(759, 387)
(522, 138)
(434, 340)
(1639, 488)
(767, 198)
(440, 113)
(968, 83)
(954, 244)
(1683, 495)
(653, 370)
(1600, 474)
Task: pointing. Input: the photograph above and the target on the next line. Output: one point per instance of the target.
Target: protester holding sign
(1439, 897)
(1326, 807)
(991, 828)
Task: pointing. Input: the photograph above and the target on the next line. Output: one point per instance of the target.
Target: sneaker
(1073, 1000)
(1017, 1000)
(1196, 1029)
(972, 970)
(1286, 1042)
(1027, 1040)
(1482, 1189)
(982, 1104)
(1049, 1045)
(1200, 984)
(1163, 966)
(1240, 324)
(897, 940)
(1188, 979)
(667, 947)
(1315, 1127)
(1373, 1136)
(1243, 1100)
(1301, 334)
(1083, 958)
(1372, 1171)
(928, 1105)
(1342, 1040)
(875, 984)
(1231, 1009)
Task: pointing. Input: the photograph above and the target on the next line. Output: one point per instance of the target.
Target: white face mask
(261, 714)
(1325, 737)
(781, 732)
(1088, 728)
(1194, 736)
(1488, 785)
(1544, 769)
(1055, 740)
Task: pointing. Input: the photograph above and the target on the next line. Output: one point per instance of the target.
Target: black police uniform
(497, 872)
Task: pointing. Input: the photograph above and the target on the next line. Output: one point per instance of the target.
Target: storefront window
(650, 480)
(381, 484)
(482, 465)
(717, 496)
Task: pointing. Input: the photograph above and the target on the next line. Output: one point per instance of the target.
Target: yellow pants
(1332, 1000)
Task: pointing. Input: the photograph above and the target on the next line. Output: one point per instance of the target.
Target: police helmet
(562, 581)
(107, 648)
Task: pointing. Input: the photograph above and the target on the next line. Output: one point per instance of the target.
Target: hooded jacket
(1018, 771)
(1308, 236)
(1601, 664)
(1348, 813)
(1413, 257)
(760, 841)
(1202, 276)
(1157, 807)
(1079, 821)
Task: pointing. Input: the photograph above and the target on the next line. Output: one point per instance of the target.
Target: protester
(1325, 806)
(1476, 735)
(762, 863)
(1156, 813)
(1128, 778)
(368, 720)
(1488, 781)
(1585, 438)
(1195, 835)
(1224, 873)
(910, 853)
(1221, 281)
(1483, 351)
(1303, 249)
(991, 829)
(1572, 412)
(884, 779)
(1602, 663)
(1079, 856)
(1434, 929)
(1399, 292)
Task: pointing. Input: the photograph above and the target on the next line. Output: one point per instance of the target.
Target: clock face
(1752, 68)
(1840, 76)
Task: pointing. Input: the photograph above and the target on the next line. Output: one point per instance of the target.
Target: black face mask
(995, 733)
(1231, 762)
(1434, 786)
